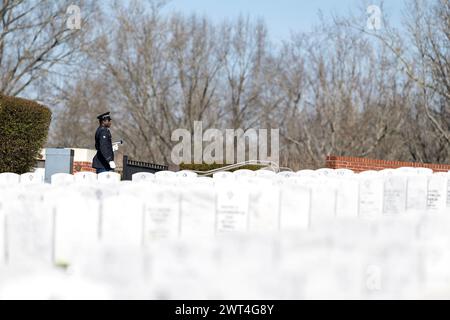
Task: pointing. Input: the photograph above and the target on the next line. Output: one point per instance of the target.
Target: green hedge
(24, 128)
(207, 167)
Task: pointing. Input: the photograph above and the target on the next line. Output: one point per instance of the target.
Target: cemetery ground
(323, 234)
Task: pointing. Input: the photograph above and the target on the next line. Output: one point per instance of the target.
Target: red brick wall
(364, 164)
(82, 167)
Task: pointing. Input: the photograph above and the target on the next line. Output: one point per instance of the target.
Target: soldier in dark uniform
(104, 159)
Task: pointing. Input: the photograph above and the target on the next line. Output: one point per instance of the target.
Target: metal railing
(270, 165)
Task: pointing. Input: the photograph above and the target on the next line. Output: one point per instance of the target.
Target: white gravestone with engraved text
(416, 199)
(143, 177)
(162, 215)
(370, 196)
(232, 208)
(85, 177)
(437, 193)
(394, 195)
(198, 211)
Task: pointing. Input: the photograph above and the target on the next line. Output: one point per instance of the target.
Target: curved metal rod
(269, 164)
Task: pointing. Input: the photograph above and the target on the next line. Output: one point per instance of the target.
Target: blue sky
(282, 16)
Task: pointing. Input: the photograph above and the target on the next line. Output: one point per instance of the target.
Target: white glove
(112, 164)
(115, 147)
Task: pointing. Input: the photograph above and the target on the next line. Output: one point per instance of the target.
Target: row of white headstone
(61, 218)
(324, 243)
(393, 258)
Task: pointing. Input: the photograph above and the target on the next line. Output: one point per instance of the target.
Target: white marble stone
(325, 172)
(295, 202)
(162, 215)
(198, 211)
(8, 178)
(31, 178)
(344, 173)
(232, 208)
(286, 175)
(223, 175)
(394, 196)
(160, 175)
(85, 177)
(121, 220)
(417, 188)
(76, 225)
(346, 195)
(244, 173)
(323, 200)
(60, 179)
(370, 196)
(29, 229)
(437, 193)
(264, 206)
(268, 174)
(186, 174)
(142, 177)
(108, 177)
(307, 173)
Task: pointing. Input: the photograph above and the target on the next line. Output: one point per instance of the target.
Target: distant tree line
(339, 89)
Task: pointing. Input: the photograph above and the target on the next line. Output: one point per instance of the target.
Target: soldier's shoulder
(102, 129)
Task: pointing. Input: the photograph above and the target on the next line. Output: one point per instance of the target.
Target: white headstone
(29, 230)
(325, 172)
(108, 177)
(198, 211)
(344, 173)
(162, 215)
(40, 172)
(407, 170)
(76, 226)
(369, 173)
(286, 174)
(85, 177)
(388, 172)
(59, 179)
(437, 193)
(31, 178)
(307, 173)
(265, 174)
(142, 177)
(223, 175)
(165, 175)
(425, 171)
(205, 180)
(295, 201)
(244, 173)
(232, 208)
(323, 199)
(264, 206)
(121, 220)
(416, 199)
(8, 178)
(394, 195)
(346, 195)
(186, 174)
(370, 196)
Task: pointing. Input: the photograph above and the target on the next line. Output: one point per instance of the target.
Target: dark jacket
(103, 145)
